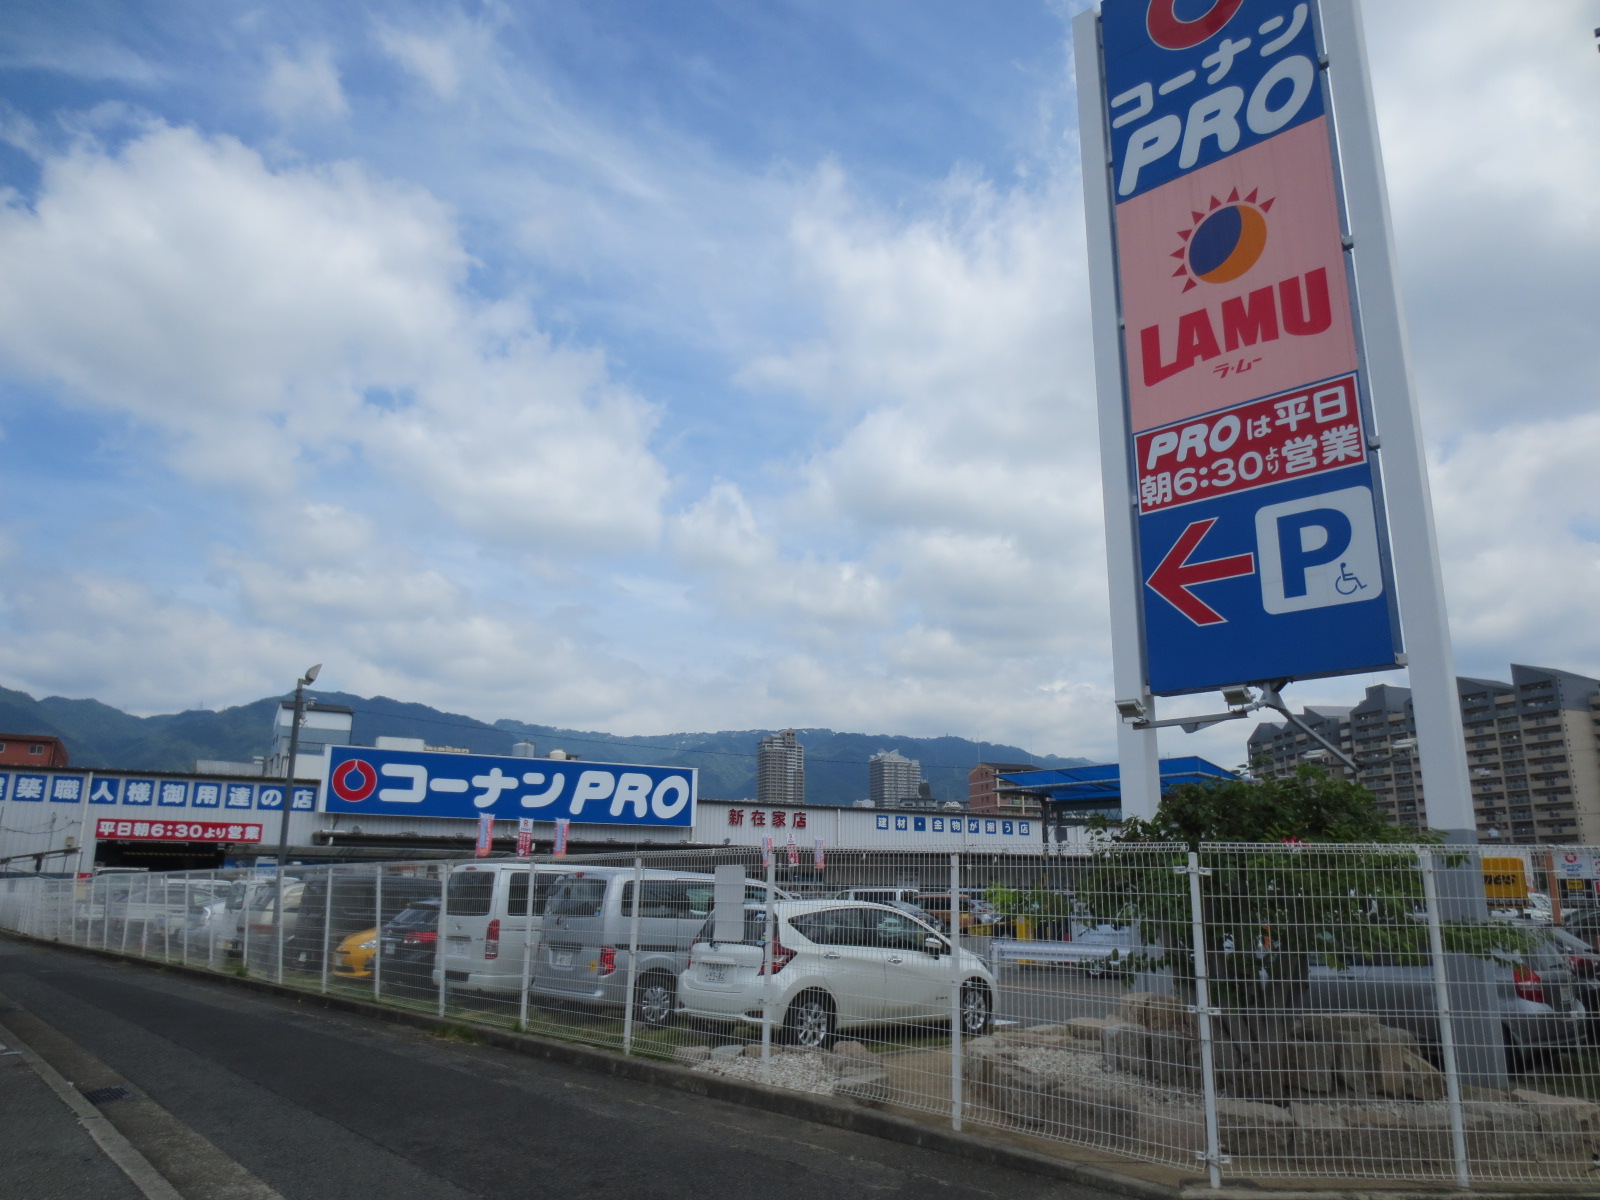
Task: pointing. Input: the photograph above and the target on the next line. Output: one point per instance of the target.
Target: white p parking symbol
(1319, 551)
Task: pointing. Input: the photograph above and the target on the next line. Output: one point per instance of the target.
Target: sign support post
(1436, 704)
(1138, 754)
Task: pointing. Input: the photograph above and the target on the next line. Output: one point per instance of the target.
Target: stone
(735, 1051)
(1407, 1133)
(1251, 1129)
(1171, 1127)
(854, 1051)
(1087, 1029)
(1313, 1067)
(1150, 1010)
(1126, 1048)
(691, 1056)
(1561, 1113)
(1319, 1132)
(870, 1088)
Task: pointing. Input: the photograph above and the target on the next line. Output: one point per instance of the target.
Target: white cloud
(250, 313)
(306, 86)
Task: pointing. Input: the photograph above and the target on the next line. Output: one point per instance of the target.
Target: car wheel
(810, 1020)
(977, 1009)
(655, 1001)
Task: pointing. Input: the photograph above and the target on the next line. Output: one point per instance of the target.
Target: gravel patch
(810, 1072)
(1088, 1067)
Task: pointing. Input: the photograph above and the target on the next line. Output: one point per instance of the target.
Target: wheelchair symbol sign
(1319, 551)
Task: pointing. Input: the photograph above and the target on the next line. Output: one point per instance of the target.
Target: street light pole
(300, 686)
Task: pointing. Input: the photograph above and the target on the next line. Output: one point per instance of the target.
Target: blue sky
(664, 366)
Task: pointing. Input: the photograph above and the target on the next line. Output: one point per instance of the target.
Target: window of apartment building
(36, 748)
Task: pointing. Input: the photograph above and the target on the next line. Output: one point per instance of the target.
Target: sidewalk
(47, 1153)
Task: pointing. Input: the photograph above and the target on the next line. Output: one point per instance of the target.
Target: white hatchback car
(836, 964)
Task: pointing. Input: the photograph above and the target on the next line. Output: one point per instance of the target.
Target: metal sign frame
(1404, 533)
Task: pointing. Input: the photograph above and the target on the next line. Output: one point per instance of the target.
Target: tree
(1295, 871)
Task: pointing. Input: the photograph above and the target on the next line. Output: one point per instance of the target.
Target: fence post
(377, 951)
(1203, 1013)
(1447, 1027)
(327, 929)
(144, 924)
(633, 954)
(956, 1090)
(439, 939)
(527, 948)
(766, 963)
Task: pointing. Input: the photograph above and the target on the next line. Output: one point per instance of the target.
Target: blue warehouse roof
(1100, 784)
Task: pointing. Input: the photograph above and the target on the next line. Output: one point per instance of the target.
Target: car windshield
(415, 916)
(577, 897)
(470, 893)
(755, 928)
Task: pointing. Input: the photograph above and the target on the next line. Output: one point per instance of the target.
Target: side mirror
(935, 946)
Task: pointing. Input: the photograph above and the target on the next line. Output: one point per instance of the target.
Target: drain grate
(105, 1095)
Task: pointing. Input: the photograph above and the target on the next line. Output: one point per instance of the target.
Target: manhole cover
(106, 1095)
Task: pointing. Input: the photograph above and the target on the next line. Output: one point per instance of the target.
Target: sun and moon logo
(1223, 242)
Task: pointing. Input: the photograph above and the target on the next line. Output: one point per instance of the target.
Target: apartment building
(1533, 753)
(781, 769)
(990, 795)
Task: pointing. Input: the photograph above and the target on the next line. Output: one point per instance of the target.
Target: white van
(588, 927)
(491, 911)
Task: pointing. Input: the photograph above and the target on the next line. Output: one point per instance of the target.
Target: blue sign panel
(1189, 82)
(1280, 582)
(240, 795)
(29, 787)
(420, 784)
(66, 789)
(106, 791)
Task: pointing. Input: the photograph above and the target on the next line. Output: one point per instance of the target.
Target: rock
(1319, 1131)
(1086, 1029)
(1408, 1133)
(1126, 1048)
(1171, 1127)
(854, 1051)
(1575, 1122)
(1334, 1027)
(864, 1087)
(1250, 1129)
(1150, 1010)
(728, 1051)
(1504, 1133)
(691, 1056)
(1312, 1067)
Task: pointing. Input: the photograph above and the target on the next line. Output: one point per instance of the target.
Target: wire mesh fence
(1244, 1010)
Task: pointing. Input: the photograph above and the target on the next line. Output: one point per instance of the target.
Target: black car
(407, 947)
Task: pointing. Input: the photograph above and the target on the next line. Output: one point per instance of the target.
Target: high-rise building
(1533, 753)
(988, 793)
(892, 779)
(781, 770)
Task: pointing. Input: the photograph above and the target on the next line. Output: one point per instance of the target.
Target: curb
(823, 1110)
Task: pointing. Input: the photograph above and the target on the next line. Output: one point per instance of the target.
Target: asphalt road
(238, 1096)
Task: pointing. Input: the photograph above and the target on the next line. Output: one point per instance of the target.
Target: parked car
(978, 916)
(880, 895)
(353, 957)
(1532, 993)
(583, 952)
(260, 936)
(835, 965)
(408, 948)
(327, 918)
(494, 911)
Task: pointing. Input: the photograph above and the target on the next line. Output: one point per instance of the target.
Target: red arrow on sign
(1176, 574)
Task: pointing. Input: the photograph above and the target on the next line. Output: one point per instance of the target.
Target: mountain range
(98, 735)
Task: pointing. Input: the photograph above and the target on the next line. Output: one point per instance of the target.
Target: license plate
(716, 972)
(561, 958)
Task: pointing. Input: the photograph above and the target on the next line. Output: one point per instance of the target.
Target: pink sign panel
(1233, 281)
(1302, 432)
(175, 831)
